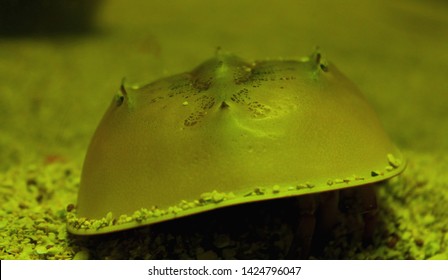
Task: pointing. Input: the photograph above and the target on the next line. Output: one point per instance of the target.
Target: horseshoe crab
(231, 132)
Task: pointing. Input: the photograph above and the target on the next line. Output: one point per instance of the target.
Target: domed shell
(229, 132)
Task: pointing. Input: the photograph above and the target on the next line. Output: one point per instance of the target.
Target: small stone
(392, 241)
(109, 217)
(259, 190)
(230, 195)
(41, 249)
(218, 197)
(248, 194)
(419, 242)
(184, 205)
(428, 219)
(206, 197)
(441, 256)
(27, 252)
(406, 235)
(394, 162)
(3, 224)
(157, 213)
(82, 255)
(349, 179)
(70, 207)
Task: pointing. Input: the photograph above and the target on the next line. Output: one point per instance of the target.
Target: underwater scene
(223, 130)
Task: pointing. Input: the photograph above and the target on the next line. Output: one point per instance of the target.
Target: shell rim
(215, 200)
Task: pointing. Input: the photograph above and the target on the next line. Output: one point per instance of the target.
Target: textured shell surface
(229, 132)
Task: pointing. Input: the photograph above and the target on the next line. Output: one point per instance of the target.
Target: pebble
(441, 256)
(41, 249)
(82, 255)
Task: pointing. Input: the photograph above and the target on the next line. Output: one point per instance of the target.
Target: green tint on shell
(229, 132)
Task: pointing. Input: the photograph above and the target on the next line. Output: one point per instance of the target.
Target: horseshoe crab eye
(225, 133)
(120, 97)
(324, 67)
(320, 61)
